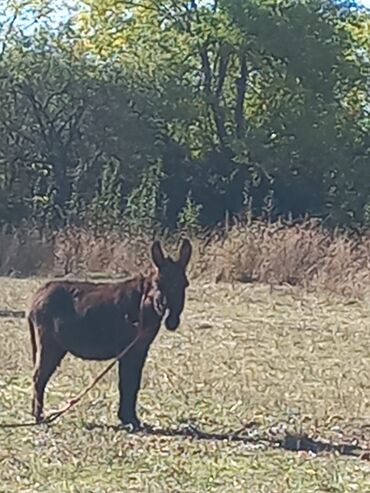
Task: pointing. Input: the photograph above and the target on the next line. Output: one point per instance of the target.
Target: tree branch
(241, 87)
(212, 99)
(54, 94)
(7, 34)
(222, 71)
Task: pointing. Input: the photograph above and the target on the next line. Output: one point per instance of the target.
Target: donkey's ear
(157, 254)
(185, 252)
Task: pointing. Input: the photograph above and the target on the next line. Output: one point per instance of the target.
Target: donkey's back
(89, 320)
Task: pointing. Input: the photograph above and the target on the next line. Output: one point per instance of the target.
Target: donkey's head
(172, 281)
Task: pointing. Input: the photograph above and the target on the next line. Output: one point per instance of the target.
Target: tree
(228, 101)
(61, 124)
(262, 92)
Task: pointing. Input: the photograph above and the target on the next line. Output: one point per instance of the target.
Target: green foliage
(106, 208)
(270, 95)
(142, 203)
(189, 215)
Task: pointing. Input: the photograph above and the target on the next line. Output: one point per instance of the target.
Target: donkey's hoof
(39, 418)
(131, 426)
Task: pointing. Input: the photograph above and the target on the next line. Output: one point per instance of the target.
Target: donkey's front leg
(130, 370)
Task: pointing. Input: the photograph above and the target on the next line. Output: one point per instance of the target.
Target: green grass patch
(264, 362)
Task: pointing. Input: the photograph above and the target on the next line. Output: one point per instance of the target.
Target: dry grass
(267, 361)
(306, 255)
(25, 253)
(79, 251)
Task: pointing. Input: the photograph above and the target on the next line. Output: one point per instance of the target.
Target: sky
(61, 7)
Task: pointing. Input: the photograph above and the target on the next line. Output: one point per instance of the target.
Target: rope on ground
(12, 313)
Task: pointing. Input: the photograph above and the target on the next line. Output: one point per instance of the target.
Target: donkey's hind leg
(48, 357)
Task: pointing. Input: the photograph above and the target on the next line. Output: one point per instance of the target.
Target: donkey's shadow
(289, 442)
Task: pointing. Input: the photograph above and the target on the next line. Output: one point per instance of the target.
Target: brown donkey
(96, 321)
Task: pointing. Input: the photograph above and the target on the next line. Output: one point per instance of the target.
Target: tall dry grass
(25, 253)
(305, 254)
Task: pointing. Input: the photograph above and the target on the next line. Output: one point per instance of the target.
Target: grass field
(249, 372)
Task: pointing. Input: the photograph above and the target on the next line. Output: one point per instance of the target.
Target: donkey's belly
(93, 342)
(95, 353)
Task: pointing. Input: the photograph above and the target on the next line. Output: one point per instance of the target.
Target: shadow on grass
(289, 442)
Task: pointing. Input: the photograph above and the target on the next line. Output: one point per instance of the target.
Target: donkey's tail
(48, 312)
(33, 338)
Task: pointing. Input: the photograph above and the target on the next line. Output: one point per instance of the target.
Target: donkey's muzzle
(172, 322)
